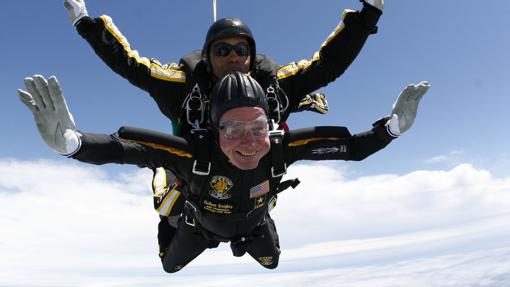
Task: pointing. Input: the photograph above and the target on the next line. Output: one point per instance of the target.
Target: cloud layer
(57, 217)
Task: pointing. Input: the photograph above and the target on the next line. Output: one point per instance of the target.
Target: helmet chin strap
(214, 10)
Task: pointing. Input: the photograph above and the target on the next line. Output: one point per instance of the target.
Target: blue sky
(460, 47)
(442, 189)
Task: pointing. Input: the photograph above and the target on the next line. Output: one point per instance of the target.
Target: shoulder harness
(198, 77)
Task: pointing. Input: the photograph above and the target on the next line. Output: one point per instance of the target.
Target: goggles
(223, 49)
(234, 130)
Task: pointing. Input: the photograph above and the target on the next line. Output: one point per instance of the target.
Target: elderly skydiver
(245, 157)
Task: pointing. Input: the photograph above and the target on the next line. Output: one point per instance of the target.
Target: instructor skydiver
(181, 90)
(246, 159)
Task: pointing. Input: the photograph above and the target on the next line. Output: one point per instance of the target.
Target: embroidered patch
(325, 150)
(266, 260)
(220, 187)
(259, 201)
(216, 207)
(259, 189)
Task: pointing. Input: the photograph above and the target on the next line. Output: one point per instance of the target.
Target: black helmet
(229, 27)
(235, 90)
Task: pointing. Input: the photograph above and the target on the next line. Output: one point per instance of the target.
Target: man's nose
(249, 138)
(233, 57)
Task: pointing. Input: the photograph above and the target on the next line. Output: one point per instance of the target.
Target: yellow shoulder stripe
(306, 141)
(175, 151)
(157, 71)
(338, 29)
(293, 68)
(168, 74)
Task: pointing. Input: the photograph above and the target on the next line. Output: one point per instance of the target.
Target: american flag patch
(260, 189)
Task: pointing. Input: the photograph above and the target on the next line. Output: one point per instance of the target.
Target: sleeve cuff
(84, 24)
(72, 141)
(382, 130)
(370, 16)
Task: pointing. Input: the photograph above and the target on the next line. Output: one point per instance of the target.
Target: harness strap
(279, 167)
(274, 104)
(195, 106)
(197, 83)
(288, 183)
(197, 213)
(202, 163)
(277, 101)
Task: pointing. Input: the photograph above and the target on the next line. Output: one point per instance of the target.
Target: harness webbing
(279, 167)
(202, 163)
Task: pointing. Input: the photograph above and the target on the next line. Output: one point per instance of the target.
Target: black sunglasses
(223, 49)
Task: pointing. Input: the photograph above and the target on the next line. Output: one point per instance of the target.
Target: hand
(315, 102)
(76, 10)
(406, 106)
(54, 122)
(379, 4)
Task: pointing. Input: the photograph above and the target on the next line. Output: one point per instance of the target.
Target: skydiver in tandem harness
(246, 156)
(182, 90)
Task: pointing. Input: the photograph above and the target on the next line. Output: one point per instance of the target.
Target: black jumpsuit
(231, 204)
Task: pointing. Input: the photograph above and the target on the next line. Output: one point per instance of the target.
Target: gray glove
(76, 10)
(406, 106)
(379, 4)
(54, 122)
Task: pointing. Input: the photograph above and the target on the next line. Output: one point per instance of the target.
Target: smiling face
(223, 65)
(246, 151)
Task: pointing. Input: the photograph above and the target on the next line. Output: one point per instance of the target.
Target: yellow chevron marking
(306, 141)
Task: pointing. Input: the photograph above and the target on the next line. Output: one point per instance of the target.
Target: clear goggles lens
(235, 130)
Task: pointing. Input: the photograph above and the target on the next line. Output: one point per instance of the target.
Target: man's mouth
(235, 68)
(246, 154)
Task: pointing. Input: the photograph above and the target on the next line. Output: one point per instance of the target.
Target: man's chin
(246, 165)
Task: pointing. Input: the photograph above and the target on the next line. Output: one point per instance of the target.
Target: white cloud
(453, 157)
(327, 207)
(53, 213)
(56, 217)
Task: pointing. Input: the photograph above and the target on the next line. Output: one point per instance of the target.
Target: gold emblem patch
(266, 260)
(220, 187)
(259, 201)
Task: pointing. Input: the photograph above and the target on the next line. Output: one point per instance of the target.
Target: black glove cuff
(83, 25)
(381, 131)
(370, 16)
